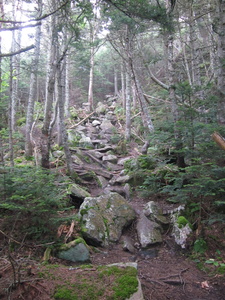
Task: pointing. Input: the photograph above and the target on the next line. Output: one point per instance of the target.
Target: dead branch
(135, 115)
(219, 140)
(70, 231)
(82, 120)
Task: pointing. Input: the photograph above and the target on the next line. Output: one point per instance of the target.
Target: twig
(175, 275)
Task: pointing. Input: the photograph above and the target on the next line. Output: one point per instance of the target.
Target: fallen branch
(219, 140)
(82, 120)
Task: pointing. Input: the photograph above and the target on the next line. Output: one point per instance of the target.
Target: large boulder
(103, 218)
(149, 232)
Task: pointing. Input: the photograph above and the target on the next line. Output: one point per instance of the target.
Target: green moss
(123, 284)
(64, 293)
(65, 247)
(182, 221)
(126, 286)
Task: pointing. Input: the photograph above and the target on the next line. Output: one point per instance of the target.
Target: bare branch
(20, 27)
(17, 52)
(36, 19)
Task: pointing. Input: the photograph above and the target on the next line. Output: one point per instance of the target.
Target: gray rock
(101, 108)
(96, 123)
(155, 213)
(103, 218)
(73, 136)
(85, 141)
(149, 232)
(120, 179)
(107, 126)
(110, 157)
(113, 167)
(77, 191)
(75, 252)
(128, 244)
(77, 160)
(102, 181)
(122, 161)
(58, 153)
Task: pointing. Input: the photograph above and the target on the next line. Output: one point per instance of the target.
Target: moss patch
(96, 283)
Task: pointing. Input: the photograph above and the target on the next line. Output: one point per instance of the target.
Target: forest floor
(165, 272)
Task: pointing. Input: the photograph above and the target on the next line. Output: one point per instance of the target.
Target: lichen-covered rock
(107, 126)
(103, 218)
(154, 213)
(149, 232)
(110, 157)
(75, 251)
(101, 108)
(77, 191)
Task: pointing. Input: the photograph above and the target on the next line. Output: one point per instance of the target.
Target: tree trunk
(221, 58)
(123, 86)
(61, 127)
(33, 88)
(128, 104)
(50, 85)
(115, 81)
(91, 79)
(67, 86)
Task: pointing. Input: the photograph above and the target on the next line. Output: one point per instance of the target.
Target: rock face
(103, 218)
(75, 251)
(149, 232)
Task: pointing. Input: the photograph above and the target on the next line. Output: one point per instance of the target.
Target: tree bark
(221, 58)
(50, 85)
(33, 88)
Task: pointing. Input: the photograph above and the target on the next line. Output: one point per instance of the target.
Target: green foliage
(30, 199)
(21, 121)
(200, 246)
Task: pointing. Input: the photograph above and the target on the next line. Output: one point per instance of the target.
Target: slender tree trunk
(134, 96)
(91, 79)
(115, 81)
(33, 88)
(11, 151)
(62, 128)
(221, 58)
(67, 86)
(128, 103)
(195, 54)
(50, 85)
(123, 86)
(169, 46)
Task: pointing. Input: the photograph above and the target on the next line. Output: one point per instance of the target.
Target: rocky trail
(163, 269)
(142, 232)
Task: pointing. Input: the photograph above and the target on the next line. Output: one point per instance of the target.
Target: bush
(29, 200)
